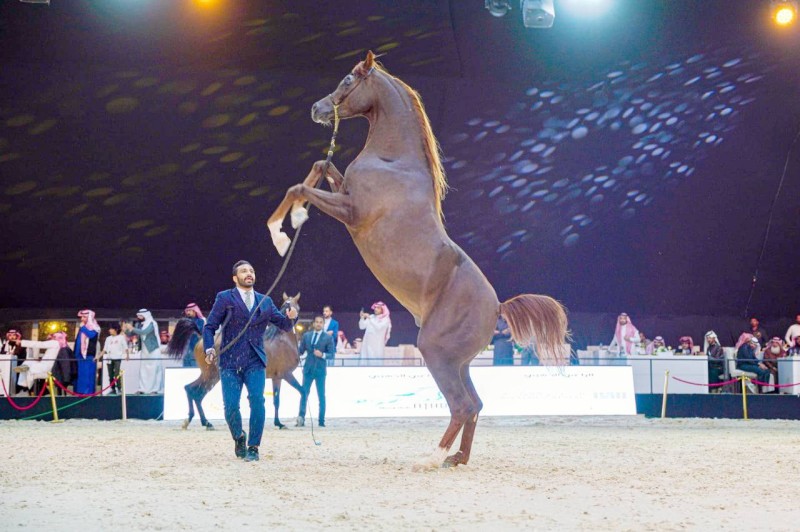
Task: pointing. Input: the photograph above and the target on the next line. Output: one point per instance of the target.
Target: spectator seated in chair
(716, 359)
(772, 353)
(657, 346)
(39, 367)
(747, 360)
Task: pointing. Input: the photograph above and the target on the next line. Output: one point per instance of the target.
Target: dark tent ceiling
(626, 162)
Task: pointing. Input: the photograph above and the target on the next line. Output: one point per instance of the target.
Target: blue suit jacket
(229, 305)
(313, 363)
(333, 326)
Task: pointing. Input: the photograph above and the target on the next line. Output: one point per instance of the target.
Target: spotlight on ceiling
(784, 12)
(498, 8)
(538, 13)
(35, 2)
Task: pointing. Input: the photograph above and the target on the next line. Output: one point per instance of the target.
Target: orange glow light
(784, 16)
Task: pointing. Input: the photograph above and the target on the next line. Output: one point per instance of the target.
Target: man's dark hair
(240, 263)
(327, 306)
(320, 316)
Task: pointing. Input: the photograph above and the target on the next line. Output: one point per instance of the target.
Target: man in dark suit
(244, 362)
(316, 346)
(331, 328)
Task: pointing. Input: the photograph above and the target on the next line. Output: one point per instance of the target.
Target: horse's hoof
(453, 460)
(281, 426)
(185, 424)
(299, 217)
(209, 426)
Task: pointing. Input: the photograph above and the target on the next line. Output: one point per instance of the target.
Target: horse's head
(290, 302)
(350, 96)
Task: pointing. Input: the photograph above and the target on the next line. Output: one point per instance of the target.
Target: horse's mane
(431, 145)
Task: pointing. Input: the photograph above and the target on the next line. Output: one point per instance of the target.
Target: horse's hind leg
(472, 421)
(190, 399)
(462, 408)
(289, 377)
(203, 421)
(276, 401)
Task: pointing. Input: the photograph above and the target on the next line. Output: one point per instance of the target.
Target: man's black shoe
(241, 446)
(252, 454)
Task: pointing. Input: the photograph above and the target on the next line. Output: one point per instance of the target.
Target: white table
(789, 373)
(648, 373)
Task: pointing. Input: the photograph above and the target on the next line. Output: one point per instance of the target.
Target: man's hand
(319, 353)
(364, 315)
(291, 313)
(762, 365)
(211, 354)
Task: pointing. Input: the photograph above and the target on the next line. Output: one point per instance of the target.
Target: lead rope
(296, 236)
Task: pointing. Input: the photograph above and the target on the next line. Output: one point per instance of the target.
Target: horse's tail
(540, 319)
(184, 330)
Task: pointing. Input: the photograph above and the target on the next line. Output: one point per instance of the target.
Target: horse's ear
(369, 62)
(285, 297)
(297, 297)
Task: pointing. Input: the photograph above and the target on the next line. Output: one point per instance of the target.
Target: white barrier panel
(411, 392)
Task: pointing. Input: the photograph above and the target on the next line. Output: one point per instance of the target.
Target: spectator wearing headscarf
(772, 352)
(747, 359)
(39, 367)
(193, 312)
(377, 329)
(85, 352)
(625, 336)
(150, 369)
(716, 358)
(685, 345)
(656, 346)
(11, 345)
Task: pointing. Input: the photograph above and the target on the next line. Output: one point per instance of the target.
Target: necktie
(314, 340)
(248, 300)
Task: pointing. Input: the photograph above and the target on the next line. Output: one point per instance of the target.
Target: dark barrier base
(152, 406)
(766, 406)
(105, 408)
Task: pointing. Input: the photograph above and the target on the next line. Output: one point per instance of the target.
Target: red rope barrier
(64, 388)
(775, 385)
(15, 406)
(709, 385)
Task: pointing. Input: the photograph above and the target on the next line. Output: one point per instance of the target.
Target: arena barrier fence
(51, 383)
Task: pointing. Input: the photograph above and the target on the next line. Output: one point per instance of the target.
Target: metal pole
(53, 399)
(124, 400)
(744, 395)
(664, 399)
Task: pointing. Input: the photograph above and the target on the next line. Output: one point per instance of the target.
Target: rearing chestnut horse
(389, 198)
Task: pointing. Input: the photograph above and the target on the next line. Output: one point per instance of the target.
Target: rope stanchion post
(664, 399)
(744, 395)
(53, 399)
(124, 400)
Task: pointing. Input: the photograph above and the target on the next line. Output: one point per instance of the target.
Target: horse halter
(336, 105)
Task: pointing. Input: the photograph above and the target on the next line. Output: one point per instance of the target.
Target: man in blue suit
(331, 328)
(243, 363)
(317, 347)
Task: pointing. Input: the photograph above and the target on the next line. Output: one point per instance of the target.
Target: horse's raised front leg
(335, 205)
(275, 223)
(335, 179)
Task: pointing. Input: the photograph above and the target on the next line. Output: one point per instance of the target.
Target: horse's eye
(348, 80)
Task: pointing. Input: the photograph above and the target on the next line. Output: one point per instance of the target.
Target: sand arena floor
(541, 473)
